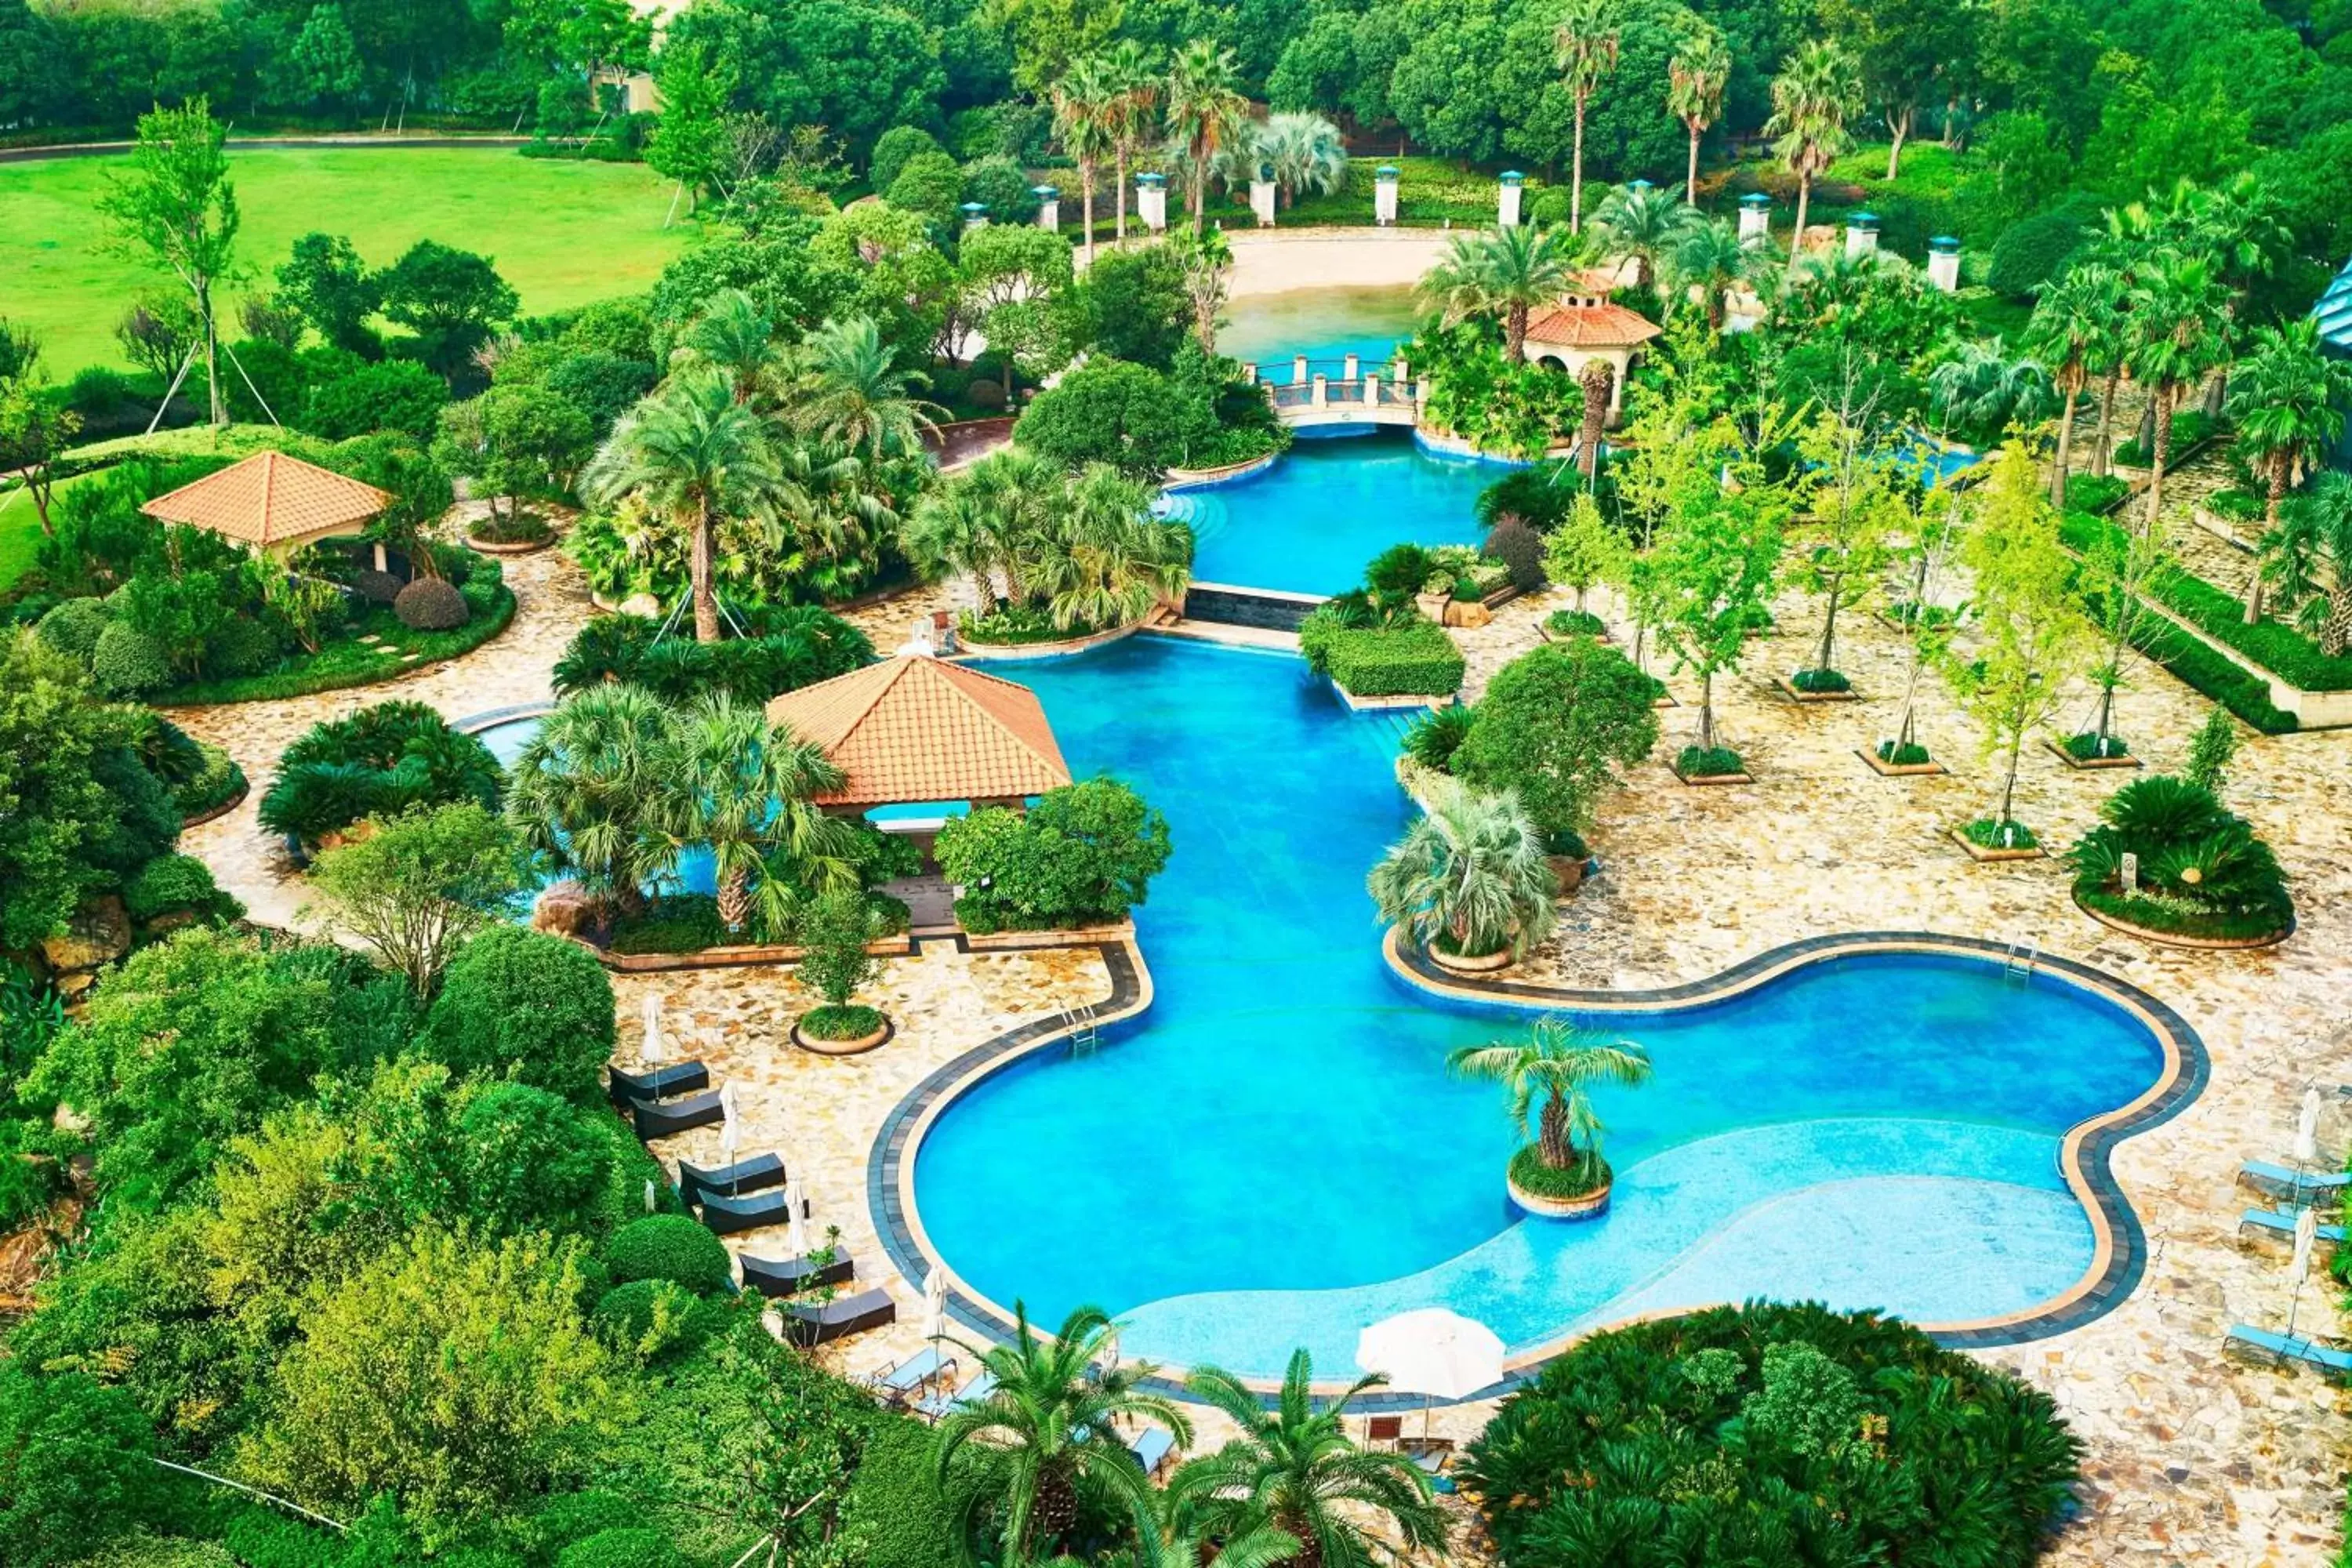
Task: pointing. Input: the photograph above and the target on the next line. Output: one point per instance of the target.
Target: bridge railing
(1364, 392)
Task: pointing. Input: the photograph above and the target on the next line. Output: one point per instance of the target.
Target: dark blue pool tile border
(2128, 1248)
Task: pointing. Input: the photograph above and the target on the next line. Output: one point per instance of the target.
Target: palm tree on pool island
(1294, 1470)
(1558, 1063)
(1470, 875)
(1505, 272)
(1053, 1419)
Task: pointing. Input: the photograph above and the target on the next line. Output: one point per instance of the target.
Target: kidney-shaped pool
(1274, 1155)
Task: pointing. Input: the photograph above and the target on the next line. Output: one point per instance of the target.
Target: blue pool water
(1270, 330)
(1274, 1155)
(1311, 523)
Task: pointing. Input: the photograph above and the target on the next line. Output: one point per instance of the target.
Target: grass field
(562, 233)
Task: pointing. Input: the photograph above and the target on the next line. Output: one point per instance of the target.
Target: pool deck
(2192, 1457)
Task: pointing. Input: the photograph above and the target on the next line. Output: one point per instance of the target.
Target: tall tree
(1502, 272)
(1901, 50)
(1085, 117)
(1644, 223)
(1707, 582)
(1586, 43)
(2177, 327)
(2289, 400)
(174, 206)
(2072, 330)
(691, 142)
(1206, 112)
(1135, 117)
(742, 788)
(1695, 82)
(1710, 258)
(1814, 98)
(853, 392)
(2311, 561)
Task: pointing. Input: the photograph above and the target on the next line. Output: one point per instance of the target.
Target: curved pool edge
(2119, 1259)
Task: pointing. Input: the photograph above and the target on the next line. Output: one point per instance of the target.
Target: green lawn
(562, 233)
(20, 535)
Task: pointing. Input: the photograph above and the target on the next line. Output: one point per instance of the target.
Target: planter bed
(1070, 936)
(974, 647)
(1799, 694)
(2092, 764)
(326, 671)
(734, 957)
(520, 547)
(2184, 940)
(1986, 856)
(857, 1046)
(1888, 770)
(1591, 1206)
(1375, 704)
(1201, 479)
(1478, 964)
(236, 799)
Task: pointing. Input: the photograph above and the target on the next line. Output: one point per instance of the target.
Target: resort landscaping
(957, 862)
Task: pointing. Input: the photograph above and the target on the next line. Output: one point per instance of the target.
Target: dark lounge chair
(726, 1216)
(756, 1174)
(773, 1277)
(676, 1078)
(811, 1326)
(662, 1118)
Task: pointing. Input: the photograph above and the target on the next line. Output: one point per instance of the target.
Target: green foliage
(420, 884)
(1085, 854)
(1520, 550)
(1556, 726)
(2200, 868)
(835, 931)
(1586, 1172)
(431, 604)
(1823, 1436)
(657, 1320)
(1415, 659)
(539, 1007)
(396, 395)
(1900, 755)
(74, 628)
(1990, 833)
(1109, 411)
(1536, 495)
(385, 759)
(1131, 305)
(177, 885)
(621, 1548)
(2210, 752)
(790, 648)
(127, 662)
(73, 1467)
(1708, 761)
(1470, 874)
(1437, 735)
(897, 1503)
(892, 149)
(672, 1246)
(672, 922)
(837, 1021)
(2036, 249)
(452, 300)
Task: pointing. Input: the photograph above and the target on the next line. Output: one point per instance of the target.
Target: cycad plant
(2288, 399)
(1470, 874)
(1052, 1418)
(1547, 1080)
(1292, 1471)
(736, 338)
(1505, 272)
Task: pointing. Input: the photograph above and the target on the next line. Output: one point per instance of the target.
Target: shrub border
(493, 625)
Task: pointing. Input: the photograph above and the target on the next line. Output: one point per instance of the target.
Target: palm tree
(1710, 258)
(1596, 380)
(2105, 345)
(1294, 1470)
(1644, 223)
(1179, 1539)
(693, 456)
(743, 789)
(1054, 1413)
(2288, 401)
(736, 338)
(1561, 1062)
(854, 393)
(1306, 153)
(1135, 112)
(1586, 42)
(2310, 561)
(1981, 387)
(1471, 872)
(1102, 559)
(965, 527)
(586, 794)
(2072, 325)
(1086, 108)
(1501, 272)
(1205, 112)
(2176, 327)
(1813, 96)
(1694, 83)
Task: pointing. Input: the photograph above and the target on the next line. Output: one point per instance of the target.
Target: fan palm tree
(736, 338)
(1135, 112)
(2288, 400)
(1596, 380)
(586, 794)
(833, 515)
(1054, 1413)
(693, 456)
(1471, 872)
(1501, 272)
(2072, 325)
(743, 788)
(2309, 558)
(1293, 1469)
(1560, 1063)
(1644, 223)
(1694, 83)
(2105, 345)
(1306, 153)
(1983, 388)
(854, 393)
(1085, 116)
(1102, 559)
(1710, 258)
(2177, 328)
(1206, 112)
(1586, 45)
(1817, 93)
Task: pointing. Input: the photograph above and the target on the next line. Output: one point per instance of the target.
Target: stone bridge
(1310, 391)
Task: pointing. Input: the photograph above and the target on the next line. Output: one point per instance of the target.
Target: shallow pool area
(1270, 330)
(1274, 1155)
(1311, 523)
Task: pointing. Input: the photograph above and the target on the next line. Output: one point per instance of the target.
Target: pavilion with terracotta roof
(273, 503)
(1583, 325)
(915, 730)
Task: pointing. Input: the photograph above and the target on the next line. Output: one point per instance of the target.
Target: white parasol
(649, 1044)
(731, 1135)
(1434, 1352)
(2306, 1236)
(2306, 1130)
(796, 1200)
(935, 1305)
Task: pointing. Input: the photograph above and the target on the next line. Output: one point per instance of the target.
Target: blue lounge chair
(2280, 1223)
(2285, 1182)
(756, 1174)
(726, 1216)
(2263, 1345)
(924, 1367)
(677, 1078)
(1151, 1447)
(941, 1399)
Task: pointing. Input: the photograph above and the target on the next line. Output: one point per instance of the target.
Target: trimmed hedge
(672, 1246)
(1417, 659)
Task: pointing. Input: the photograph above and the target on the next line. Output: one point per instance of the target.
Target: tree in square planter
(1705, 584)
(1855, 508)
(1547, 1078)
(1932, 536)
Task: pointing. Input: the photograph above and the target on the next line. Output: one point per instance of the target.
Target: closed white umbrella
(2306, 1236)
(2306, 1130)
(649, 1042)
(731, 1136)
(1433, 1351)
(935, 1305)
(796, 1238)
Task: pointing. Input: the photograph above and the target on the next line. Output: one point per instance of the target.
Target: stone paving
(2192, 1457)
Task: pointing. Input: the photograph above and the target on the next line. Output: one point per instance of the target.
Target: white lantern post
(1384, 195)
(1507, 199)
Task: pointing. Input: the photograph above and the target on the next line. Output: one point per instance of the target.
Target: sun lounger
(2279, 1224)
(663, 1118)
(918, 1370)
(1151, 1447)
(726, 1216)
(2263, 1345)
(942, 1399)
(2285, 1182)
(676, 1078)
(755, 1174)
(790, 1276)
(823, 1323)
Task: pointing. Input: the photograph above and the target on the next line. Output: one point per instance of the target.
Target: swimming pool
(1273, 1155)
(1270, 330)
(1311, 523)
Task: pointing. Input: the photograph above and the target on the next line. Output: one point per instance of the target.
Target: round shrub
(2034, 250)
(893, 148)
(74, 626)
(1520, 550)
(671, 1247)
(537, 1006)
(128, 663)
(570, 1517)
(431, 604)
(999, 184)
(241, 646)
(655, 1319)
(177, 884)
(626, 1548)
(376, 587)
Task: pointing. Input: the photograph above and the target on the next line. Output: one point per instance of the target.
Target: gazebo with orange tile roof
(1583, 325)
(273, 503)
(915, 730)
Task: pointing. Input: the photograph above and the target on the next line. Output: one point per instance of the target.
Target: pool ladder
(2024, 955)
(1084, 1029)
